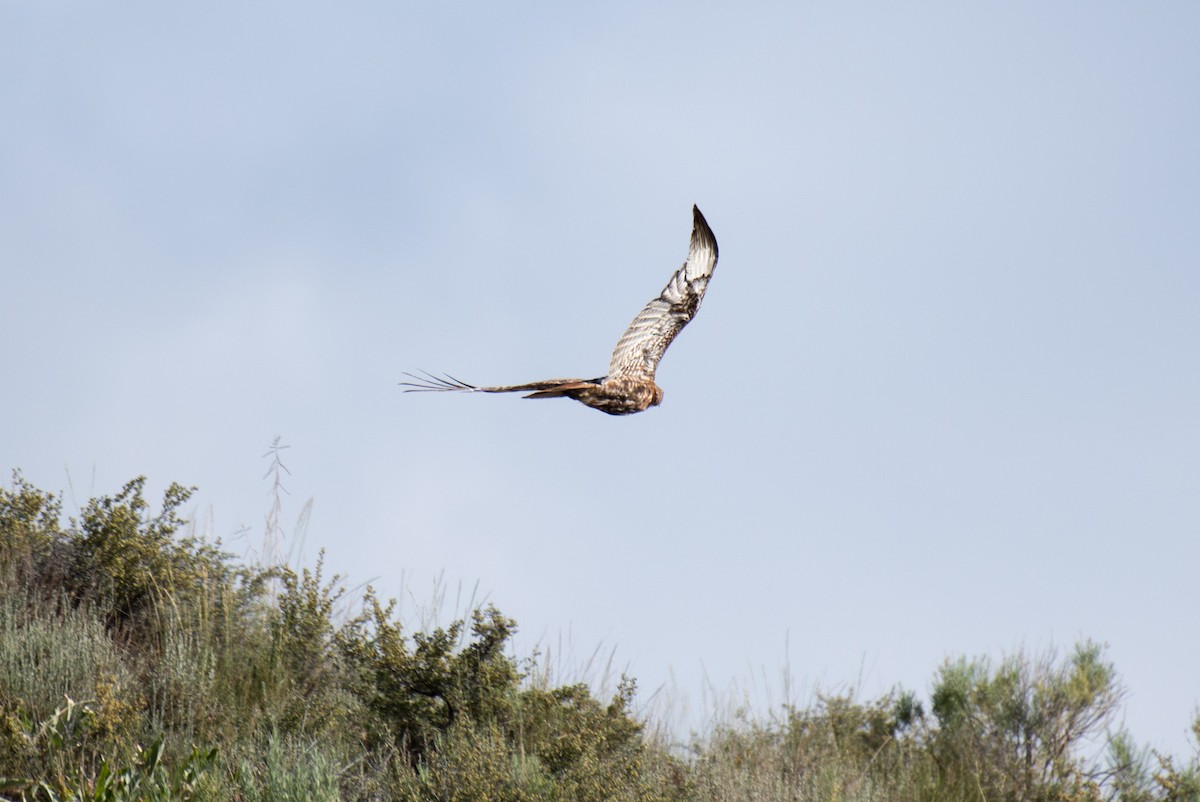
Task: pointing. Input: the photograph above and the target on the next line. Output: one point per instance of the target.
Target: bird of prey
(629, 386)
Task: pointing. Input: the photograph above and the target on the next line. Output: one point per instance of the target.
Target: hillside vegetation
(137, 663)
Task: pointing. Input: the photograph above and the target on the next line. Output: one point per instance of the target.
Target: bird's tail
(558, 389)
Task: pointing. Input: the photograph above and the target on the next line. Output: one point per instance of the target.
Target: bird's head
(658, 396)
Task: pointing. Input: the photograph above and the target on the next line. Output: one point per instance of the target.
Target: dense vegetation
(137, 663)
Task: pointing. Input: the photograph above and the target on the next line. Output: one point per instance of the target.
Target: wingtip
(431, 383)
(700, 228)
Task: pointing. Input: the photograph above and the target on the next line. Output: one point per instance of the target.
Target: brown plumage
(629, 386)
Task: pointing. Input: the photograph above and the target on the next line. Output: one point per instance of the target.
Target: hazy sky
(943, 397)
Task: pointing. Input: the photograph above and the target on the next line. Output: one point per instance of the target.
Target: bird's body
(629, 385)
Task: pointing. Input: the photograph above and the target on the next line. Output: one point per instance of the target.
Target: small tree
(1015, 732)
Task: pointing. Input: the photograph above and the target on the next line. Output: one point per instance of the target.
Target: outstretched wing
(428, 383)
(642, 345)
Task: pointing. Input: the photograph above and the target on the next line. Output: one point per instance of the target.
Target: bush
(1015, 732)
(836, 748)
(29, 536)
(417, 692)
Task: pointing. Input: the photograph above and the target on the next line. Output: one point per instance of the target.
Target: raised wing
(645, 341)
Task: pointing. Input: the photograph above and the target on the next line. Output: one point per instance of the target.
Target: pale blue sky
(942, 398)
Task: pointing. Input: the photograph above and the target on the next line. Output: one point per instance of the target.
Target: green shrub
(1014, 731)
(594, 751)
(835, 748)
(418, 691)
(29, 536)
(471, 764)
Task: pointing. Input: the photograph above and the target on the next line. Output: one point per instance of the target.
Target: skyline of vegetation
(139, 662)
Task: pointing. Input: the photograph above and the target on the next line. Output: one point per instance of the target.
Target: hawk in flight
(629, 386)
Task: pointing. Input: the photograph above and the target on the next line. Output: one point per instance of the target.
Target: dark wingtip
(700, 228)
